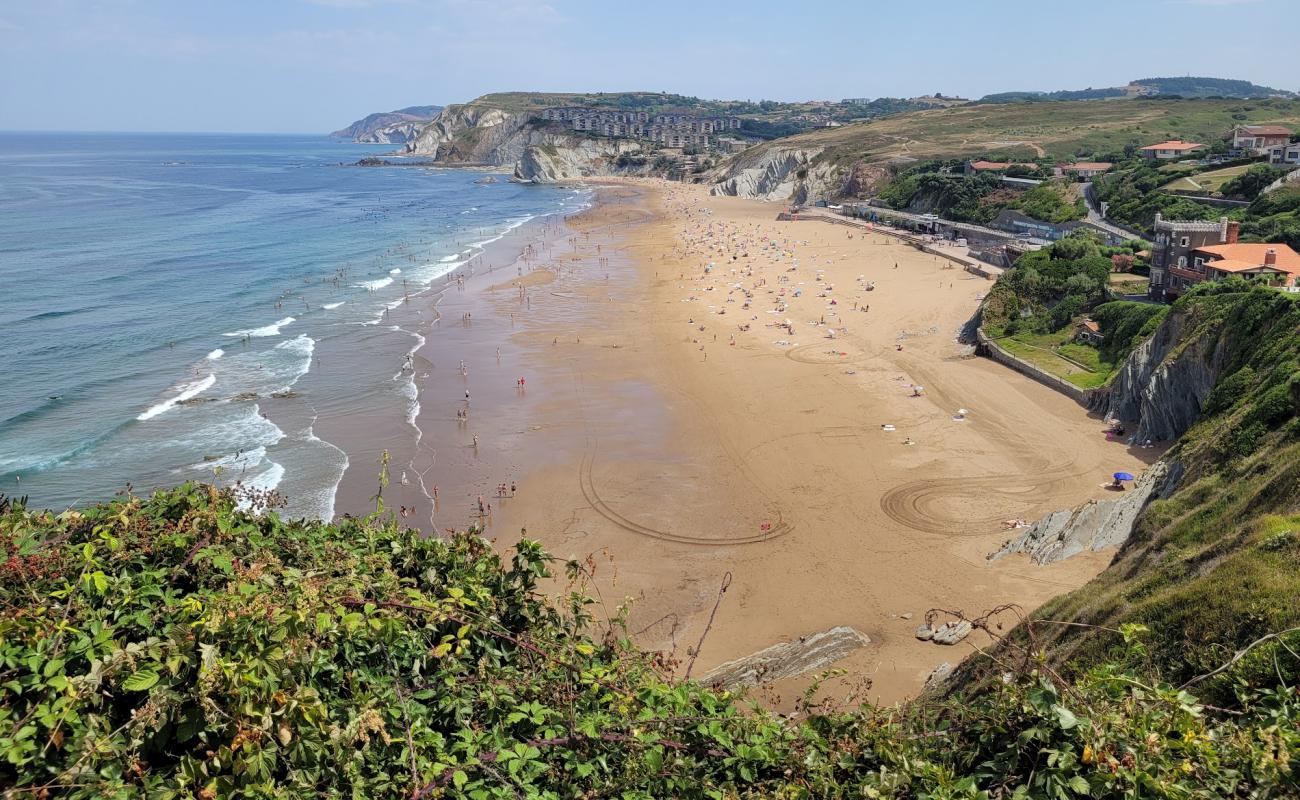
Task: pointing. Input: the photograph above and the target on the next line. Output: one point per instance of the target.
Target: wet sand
(678, 458)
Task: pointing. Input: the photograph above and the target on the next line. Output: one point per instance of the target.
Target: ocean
(163, 291)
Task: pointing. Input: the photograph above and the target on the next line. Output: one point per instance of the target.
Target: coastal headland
(711, 397)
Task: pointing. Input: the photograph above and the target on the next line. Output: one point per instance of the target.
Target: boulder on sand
(951, 632)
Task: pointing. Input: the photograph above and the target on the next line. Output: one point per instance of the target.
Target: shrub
(178, 646)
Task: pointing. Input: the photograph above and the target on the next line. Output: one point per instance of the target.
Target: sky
(311, 66)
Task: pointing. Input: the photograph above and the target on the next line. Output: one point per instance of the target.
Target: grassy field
(1128, 283)
(1059, 130)
(1209, 182)
(1058, 354)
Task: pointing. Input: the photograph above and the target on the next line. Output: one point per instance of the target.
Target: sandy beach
(686, 419)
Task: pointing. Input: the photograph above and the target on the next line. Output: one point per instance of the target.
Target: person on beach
(512, 488)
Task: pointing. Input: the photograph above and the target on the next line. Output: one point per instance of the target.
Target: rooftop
(1173, 145)
(1251, 254)
(1266, 130)
(1088, 165)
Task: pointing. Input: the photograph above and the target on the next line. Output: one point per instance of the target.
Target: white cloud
(6, 25)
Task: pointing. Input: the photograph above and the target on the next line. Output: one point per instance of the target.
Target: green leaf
(141, 680)
(459, 778)
(1065, 717)
(1080, 784)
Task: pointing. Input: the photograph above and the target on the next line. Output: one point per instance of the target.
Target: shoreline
(666, 461)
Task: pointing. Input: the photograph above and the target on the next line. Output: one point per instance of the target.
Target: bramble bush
(186, 645)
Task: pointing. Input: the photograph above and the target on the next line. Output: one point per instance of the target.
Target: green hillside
(1216, 565)
(1057, 129)
(177, 646)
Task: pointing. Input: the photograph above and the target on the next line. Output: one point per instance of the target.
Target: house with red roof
(1172, 149)
(1258, 139)
(1277, 262)
(1084, 169)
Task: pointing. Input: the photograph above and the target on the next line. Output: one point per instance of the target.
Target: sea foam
(265, 330)
(186, 392)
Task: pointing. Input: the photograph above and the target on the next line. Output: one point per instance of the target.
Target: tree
(1250, 183)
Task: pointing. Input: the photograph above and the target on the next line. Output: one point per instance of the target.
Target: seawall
(986, 346)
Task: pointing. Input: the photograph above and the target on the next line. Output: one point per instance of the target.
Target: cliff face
(371, 128)
(401, 133)
(472, 134)
(539, 152)
(1165, 381)
(774, 172)
(559, 157)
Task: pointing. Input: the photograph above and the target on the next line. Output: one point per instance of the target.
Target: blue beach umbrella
(1123, 476)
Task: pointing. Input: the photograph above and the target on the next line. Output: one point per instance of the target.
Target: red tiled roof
(1288, 260)
(1090, 325)
(1102, 165)
(1173, 145)
(1236, 265)
(1266, 130)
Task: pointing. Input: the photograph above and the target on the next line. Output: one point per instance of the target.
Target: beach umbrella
(1123, 476)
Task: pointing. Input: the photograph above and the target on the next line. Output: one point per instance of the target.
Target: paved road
(1095, 218)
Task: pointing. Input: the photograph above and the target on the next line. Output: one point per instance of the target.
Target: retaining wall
(990, 348)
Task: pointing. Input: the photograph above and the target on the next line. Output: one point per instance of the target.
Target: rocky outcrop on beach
(777, 173)
(788, 659)
(1095, 525)
(385, 126)
(1165, 381)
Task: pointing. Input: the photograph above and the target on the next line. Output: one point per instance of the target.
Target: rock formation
(384, 127)
(785, 660)
(774, 173)
(1095, 525)
(1165, 380)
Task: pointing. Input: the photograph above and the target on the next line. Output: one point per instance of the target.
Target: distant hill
(1182, 87)
(1067, 94)
(368, 125)
(1209, 87)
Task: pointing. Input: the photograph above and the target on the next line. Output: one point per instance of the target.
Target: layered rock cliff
(775, 172)
(538, 151)
(1165, 381)
(1095, 525)
(472, 134)
(400, 133)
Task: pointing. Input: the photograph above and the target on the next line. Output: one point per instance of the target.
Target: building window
(1184, 242)
(1182, 262)
(1200, 264)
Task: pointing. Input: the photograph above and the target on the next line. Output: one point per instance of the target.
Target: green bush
(180, 647)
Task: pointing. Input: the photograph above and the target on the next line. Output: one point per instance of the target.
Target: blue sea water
(157, 289)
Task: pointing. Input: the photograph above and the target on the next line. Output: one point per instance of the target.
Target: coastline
(667, 461)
